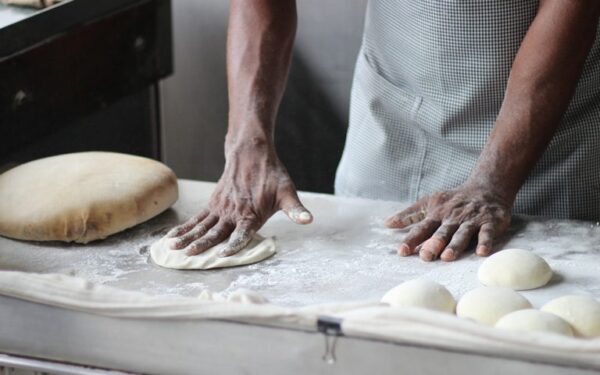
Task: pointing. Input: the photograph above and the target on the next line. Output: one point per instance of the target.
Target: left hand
(444, 223)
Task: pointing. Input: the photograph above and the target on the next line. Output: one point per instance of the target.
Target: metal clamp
(331, 328)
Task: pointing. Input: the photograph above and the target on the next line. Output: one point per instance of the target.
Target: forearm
(541, 84)
(259, 47)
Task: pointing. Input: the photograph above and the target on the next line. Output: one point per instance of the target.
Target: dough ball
(516, 269)
(82, 197)
(582, 312)
(420, 293)
(488, 304)
(534, 320)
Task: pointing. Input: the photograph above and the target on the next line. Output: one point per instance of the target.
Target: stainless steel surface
(177, 346)
(16, 365)
(344, 255)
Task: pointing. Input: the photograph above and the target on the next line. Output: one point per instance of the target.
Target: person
(473, 109)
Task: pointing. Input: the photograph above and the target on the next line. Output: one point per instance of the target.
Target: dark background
(182, 119)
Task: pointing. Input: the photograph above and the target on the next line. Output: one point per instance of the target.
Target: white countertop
(345, 254)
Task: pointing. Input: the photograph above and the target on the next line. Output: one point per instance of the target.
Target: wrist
(249, 138)
(248, 146)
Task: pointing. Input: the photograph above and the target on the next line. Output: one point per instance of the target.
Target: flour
(344, 255)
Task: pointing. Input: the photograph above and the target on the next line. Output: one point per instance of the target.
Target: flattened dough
(83, 197)
(258, 249)
(516, 269)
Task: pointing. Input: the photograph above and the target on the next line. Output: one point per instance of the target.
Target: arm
(259, 48)
(540, 86)
(254, 184)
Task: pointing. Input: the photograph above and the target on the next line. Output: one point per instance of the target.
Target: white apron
(428, 85)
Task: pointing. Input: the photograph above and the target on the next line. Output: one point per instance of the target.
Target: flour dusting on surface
(345, 255)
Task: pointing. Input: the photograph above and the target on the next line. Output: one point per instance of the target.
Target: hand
(254, 186)
(444, 223)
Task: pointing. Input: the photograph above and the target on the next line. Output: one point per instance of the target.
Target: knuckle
(408, 240)
(442, 233)
(198, 244)
(412, 234)
(486, 230)
(248, 218)
(462, 236)
(468, 227)
(213, 232)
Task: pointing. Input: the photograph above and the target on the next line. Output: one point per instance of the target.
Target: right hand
(254, 185)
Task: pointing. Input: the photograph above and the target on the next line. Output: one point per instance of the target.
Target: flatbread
(258, 249)
(83, 197)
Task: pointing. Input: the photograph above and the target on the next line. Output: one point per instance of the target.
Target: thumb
(293, 208)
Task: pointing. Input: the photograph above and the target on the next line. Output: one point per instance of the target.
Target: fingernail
(305, 216)
(404, 250)
(482, 250)
(448, 255)
(300, 215)
(174, 244)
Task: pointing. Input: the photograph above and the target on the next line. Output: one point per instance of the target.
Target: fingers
(434, 246)
(198, 231)
(487, 232)
(293, 208)
(213, 237)
(460, 241)
(188, 225)
(409, 216)
(240, 238)
(419, 233)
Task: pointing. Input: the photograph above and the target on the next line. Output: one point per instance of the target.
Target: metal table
(345, 255)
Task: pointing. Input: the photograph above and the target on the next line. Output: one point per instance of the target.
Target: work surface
(345, 254)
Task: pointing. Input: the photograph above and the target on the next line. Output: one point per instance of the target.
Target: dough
(534, 320)
(420, 293)
(582, 312)
(247, 296)
(257, 250)
(82, 197)
(488, 304)
(516, 269)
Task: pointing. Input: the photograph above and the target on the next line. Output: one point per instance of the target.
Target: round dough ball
(488, 304)
(420, 293)
(516, 269)
(534, 320)
(582, 312)
(83, 196)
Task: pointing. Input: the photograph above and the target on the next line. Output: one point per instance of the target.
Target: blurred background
(148, 77)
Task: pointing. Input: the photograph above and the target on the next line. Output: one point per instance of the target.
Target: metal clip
(331, 328)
